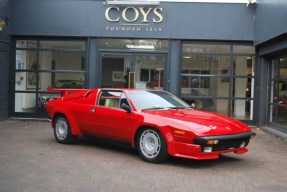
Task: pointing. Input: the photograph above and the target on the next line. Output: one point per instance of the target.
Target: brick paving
(31, 160)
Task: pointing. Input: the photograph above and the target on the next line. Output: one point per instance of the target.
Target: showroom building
(229, 58)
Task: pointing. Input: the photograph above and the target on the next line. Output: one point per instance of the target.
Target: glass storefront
(215, 77)
(219, 78)
(278, 91)
(43, 64)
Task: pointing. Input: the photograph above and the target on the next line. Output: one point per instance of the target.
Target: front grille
(225, 142)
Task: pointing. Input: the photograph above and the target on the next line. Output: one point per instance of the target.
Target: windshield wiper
(179, 107)
(153, 108)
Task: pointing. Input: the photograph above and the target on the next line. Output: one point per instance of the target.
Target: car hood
(199, 122)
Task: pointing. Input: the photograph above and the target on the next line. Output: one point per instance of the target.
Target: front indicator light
(212, 142)
(207, 149)
(179, 132)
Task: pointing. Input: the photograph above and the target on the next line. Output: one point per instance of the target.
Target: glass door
(133, 71)
(115, 70)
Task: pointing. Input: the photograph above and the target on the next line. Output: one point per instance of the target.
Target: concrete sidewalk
(31, 160)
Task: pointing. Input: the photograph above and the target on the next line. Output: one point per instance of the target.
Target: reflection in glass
(24, 43)
(278, 96)
(25, 102)
(62, 60)
(150, 71)
(242, 49)
(198, 102)
(221, 106)
(243, 65)
(205, 64)
(212, 105)
(189, 81)
(283, 67)
(243, 87)
(279, 113)
(279, 90)
(48, 79)
(201, 48)
(61, 80)
(208, 73)
(206, 86)
(242, 109)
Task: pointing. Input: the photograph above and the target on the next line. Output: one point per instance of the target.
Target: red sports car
(156, 123)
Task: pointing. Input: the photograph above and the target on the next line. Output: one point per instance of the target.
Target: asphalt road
(31, 160)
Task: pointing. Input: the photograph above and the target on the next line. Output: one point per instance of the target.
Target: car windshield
(149, 100)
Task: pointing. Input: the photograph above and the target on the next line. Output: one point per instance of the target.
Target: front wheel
(62, 130)
(152, 146)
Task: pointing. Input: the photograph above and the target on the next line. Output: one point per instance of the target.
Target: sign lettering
(134, 18)
(137, 12)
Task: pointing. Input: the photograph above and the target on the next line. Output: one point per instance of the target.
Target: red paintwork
(117, 124)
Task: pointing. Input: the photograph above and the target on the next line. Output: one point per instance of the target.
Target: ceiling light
(140, 46)
(186, 57)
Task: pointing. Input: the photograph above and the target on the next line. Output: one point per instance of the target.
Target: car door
(109, 120)
(83, 113)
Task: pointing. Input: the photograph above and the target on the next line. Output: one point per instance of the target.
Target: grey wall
(199, 21)
(270, 19)
(4, 60)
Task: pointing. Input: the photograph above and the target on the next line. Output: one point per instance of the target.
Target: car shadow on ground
(192, 163)
(110, 145)
(126, 149)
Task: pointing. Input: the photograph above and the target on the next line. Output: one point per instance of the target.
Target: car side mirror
(126, 107)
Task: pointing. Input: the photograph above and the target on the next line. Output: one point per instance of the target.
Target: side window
(109, 99)
(112, 99)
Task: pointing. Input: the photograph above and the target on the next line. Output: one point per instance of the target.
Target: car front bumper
(200, 149)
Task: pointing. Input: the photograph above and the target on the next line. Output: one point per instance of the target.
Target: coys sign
(137, 12)
(133, 18)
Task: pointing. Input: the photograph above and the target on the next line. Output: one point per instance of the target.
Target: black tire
(151, 145)
(62, 130)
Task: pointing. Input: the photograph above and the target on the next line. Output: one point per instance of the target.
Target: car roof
(129, 89)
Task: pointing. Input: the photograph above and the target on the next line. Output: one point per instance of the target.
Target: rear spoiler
(64, 91)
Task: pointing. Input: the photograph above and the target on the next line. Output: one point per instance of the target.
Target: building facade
(271, 55)
(219, 56)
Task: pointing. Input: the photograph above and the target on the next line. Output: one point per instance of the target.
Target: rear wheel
(62, 130)
(151, 146)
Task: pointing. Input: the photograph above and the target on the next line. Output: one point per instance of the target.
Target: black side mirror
(126, 107)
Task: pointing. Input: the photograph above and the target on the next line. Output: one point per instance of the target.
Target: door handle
(93, 110)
